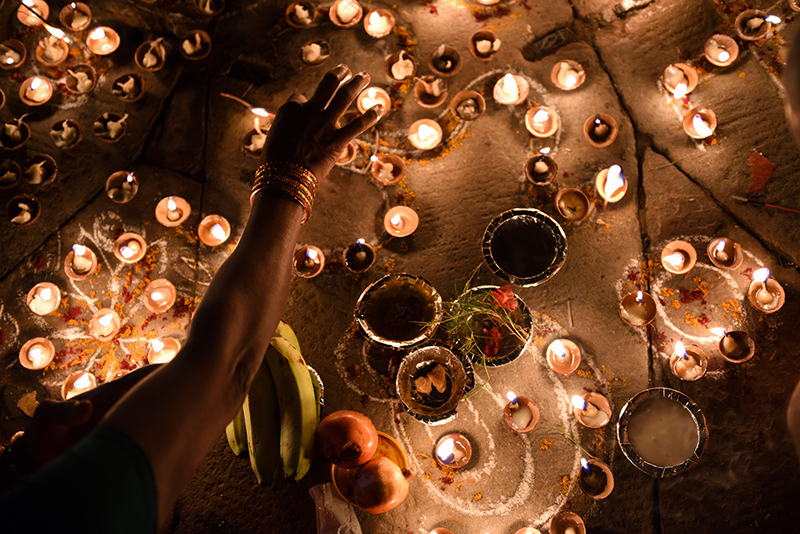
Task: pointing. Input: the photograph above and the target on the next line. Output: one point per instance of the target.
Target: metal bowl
(524, 246)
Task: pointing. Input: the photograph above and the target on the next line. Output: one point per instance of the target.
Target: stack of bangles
(290, 179)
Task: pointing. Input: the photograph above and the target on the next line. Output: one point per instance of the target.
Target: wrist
(288, 179)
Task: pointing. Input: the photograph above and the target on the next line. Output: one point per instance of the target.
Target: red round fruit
(346, 438)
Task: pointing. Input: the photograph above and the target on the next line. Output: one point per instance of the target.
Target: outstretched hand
(305, 132)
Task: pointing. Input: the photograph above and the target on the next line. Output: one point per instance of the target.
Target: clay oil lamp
(196, 45)
(151, 55)
(345, 13)
(725, 253)
(425, 134)
(130, 247)
(637, 308)
(567, 75)
(721, 50)
(572, 204)
(441, 530)
(794, 5)
(172, 211)
(511, 90)
(37, 353)
(163, 350)
(467, 105)
(104, 324)
(680, 79)
(371, 97)
(430, 91)
(348, 155)
(122, 186)
(735, 347)
(359, 257)
(592, 410)
(35, 91)
(611, 184)
(541, 121)
(528, 530)
(66, 134)
(159, 295)
(213, 230)
(520, 414)
(387, 169)
(765, 294)
(80, 262)
(51, 51)
(209, 7)
(2, 99)
(541, 170)
(567, 523)
(110, 127)
(688, 363)
(314, 53)
(44, 298)
(29, 9)
(700, 122)
(77, 383)
(81, 79)
(253, 142)
(379, 23)
(76, 16)
(754, 25)
(300, 14)
(600, 130)
(488, 2)
(484, 45)
(453, 451)
(103, 40)
(41, 170)
(308, 261)
(23, 210)
(400, 66)
(678, 257)
(12, 54)
(10, 174)
(400, 221)
(595, 479)
(563, 356)
(445, 61)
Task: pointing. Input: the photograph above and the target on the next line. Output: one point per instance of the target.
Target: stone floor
(185, 139)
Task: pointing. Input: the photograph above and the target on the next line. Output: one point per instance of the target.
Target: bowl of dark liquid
(524, 246)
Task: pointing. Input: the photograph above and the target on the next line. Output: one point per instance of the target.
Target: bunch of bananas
(278, 421)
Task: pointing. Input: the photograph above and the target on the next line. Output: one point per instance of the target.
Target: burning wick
(157, 345)
(80, 264)
(719, 252)
(676, 259)
(126, 252)
(156, 296)
(82, 383)
(361, 255)
(36, 355)
(585, 406)
(539, 120)
(585, 466)
(311, 258)
(521, 415)
(728, 343)
(173, 213)
(639, 297)
(512, 398)
(614, 181)
(44, 294)
(763, 296)
(218, 231)
(425, 133)
(560, 352)
(397, 222)
(446, 451)
(106, 328)
(700, 126)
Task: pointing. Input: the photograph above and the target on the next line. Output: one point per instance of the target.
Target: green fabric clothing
(103, 484)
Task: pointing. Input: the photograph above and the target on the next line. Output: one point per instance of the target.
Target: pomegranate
(346, 438)
(380, 485)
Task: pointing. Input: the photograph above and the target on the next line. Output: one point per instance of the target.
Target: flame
(97, 34)
(171, 206)
(571, 80)
(614, 181)
(721, 245)
(45, 293)
(579, 402)
(79, 250)
(680, 90)
(373, 158)
(360, 241)
(374, 18)
(680, 350)
(372, 93)
(106, 319)
(312, 254)
(774, 19)
(675, 259)
(261, 112)
(28, 3)
(36, 83)
(126, 252)
(541, 116)
(56, 32)
(508, 82)
(445, 450)
(723, 56)
(585, 464)
(218, 231)
(545, 150)
(639, 297)
(719, 331)
(73, 5)
(10, 61)
(397, 221)
(761, 275)
(700, 126)
(129, 178)
(511, 396)
(83, 382)
(156, 296)
(157, 345)
(36, 355)
(425, 133)
(558, 348)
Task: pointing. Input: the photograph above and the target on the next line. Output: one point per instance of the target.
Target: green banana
(262, 422)
(237, 434)
(285, 331)
(298, 406)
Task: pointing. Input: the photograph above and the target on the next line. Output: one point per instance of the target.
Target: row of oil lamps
(158, 296)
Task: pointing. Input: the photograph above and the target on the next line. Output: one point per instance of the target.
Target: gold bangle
(290, 179)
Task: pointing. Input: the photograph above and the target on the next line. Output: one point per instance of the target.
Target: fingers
(327, 87)
(345, 96)
(360, 124)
